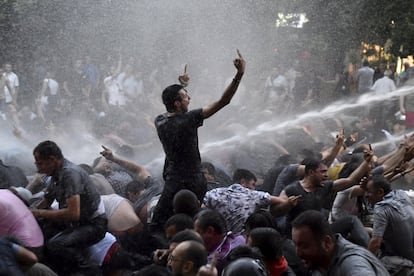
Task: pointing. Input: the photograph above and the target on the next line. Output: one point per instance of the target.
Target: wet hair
(380, 182)
(210, 218)
(351, 165)
(186, 235)
(243, 251)
(312, 165)
(48, 148)
(185, 201)
(269, 241)
(240, 174)
(195, 253)
(259, 218)
(135, 187)
(170, 95)
(316, 221)
(180, 221)
(209, 166)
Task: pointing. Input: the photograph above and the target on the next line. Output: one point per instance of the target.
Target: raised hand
(184, 79)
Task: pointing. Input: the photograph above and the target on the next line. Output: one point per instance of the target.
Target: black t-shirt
(179, 137)
(309, 201)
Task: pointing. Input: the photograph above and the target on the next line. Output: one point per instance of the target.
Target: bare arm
(375, 244)
(402, 108)
(70, 213)
(335, 150)
(281, 205)
(231, 89)
(140, 172)
(344, 183)
(25, 257)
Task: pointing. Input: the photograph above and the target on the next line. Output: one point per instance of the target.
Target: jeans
(164, 209)
(65, 248)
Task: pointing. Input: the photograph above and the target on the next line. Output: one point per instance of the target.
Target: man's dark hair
(260, 218)
(365, 62)
(240, 174)
(186, 235)
(195, 253)
(316, 221)
(211, 218)
(269, 242)
(135, 187)
(209, 166)
(312, 165)
(48, 148)
(380, 182)
(152, 270)
(181, 222)
(186, 202)
(170, 95)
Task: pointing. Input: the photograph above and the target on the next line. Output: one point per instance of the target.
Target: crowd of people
(329, 202)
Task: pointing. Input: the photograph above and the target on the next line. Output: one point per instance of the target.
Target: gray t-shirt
(351, 259)
(394, 221)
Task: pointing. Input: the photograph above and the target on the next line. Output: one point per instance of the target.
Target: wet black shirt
(179, 137)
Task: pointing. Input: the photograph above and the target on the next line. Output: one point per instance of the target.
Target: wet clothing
(236, 203)
(16, 220)
(70, 237)
(182, 169)
(11, 176)
(350, 259)
(309, 201)
(394, 221)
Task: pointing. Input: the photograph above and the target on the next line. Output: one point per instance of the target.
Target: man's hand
(293, 200)
(239, 63)
(107, 153)
(184, 79)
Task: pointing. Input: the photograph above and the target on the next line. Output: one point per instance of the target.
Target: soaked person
(177, 131)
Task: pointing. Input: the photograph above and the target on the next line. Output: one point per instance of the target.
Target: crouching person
(80, 219)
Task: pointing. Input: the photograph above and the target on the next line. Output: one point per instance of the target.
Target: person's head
(313, 238)
(152, 270)
(185, 201)
(133, 190)
(7, 67)
(245, 178)
(211, 226)
(388, 73)
(185, 235)
(245, 266)
(316, 171)
(377, 188)
(177, 223)
(187, 258)
(268, 241)
(209, 171)
(48, 157)
(365, 62)
(87, 168)
(259, 218)
(175, 98)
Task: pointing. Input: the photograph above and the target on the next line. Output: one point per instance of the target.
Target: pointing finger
(105, 148)
(238, 53)
(185, 69)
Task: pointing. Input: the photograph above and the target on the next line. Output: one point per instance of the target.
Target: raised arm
(231, 89)
(140, 172)
(344, 183)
